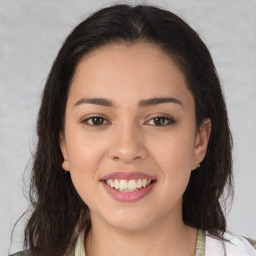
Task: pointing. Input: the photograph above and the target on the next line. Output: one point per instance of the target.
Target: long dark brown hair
(58, 213)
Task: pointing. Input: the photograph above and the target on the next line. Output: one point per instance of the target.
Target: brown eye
(161, 121)
(95, 121)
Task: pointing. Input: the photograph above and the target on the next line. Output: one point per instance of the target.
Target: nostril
(126, 158)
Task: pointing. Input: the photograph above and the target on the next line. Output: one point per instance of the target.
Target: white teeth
(139, 183)
(117, 184)
(112, 184)
(123, 184)
(132, 184)
(128, 185)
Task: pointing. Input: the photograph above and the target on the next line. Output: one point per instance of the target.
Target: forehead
(127, 57)
(122, 71)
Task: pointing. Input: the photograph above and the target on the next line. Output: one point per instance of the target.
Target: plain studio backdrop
(31, 33)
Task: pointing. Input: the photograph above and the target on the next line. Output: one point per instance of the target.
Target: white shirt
(235, 246)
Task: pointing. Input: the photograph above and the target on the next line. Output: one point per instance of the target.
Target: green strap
(23, 253)
(200, 243)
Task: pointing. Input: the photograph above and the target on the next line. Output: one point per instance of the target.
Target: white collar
(235, 246)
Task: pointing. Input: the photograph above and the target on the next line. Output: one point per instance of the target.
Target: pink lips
(128, 176)
(128, 196)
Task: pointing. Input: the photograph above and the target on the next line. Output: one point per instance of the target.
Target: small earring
(197, 164)
(64, 163)
(65, 170)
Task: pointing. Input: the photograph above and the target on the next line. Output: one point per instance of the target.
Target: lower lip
(128, 196)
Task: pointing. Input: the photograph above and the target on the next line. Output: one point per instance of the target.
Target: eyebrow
(96, 101)
(142, 103)
(156, 101)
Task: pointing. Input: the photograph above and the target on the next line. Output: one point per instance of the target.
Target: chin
(130, 226)
(130, 221)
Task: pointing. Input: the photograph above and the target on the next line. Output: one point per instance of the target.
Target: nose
(127, 144)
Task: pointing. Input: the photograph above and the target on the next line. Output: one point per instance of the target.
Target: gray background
(31, 33)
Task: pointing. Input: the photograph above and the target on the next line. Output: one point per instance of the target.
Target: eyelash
(170, 121)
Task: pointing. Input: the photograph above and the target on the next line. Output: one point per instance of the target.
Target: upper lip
(128, 175)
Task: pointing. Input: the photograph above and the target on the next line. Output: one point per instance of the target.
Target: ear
(201, 142)
(63, 148)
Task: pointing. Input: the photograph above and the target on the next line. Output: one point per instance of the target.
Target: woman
(134, 147)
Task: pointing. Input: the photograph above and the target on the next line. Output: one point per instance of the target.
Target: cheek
(84, 151)
(174, 156)
(174, 151)
(85, 155)
(84, 176)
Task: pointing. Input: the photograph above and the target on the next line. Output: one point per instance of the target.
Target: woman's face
(130, 139)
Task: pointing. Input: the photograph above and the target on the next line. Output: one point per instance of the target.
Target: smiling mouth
(132, 185)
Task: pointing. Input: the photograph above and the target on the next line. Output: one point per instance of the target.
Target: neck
(169, 236)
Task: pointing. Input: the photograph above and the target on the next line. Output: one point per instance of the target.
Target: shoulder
(230, 244)
(240, 240)
(22, 253)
